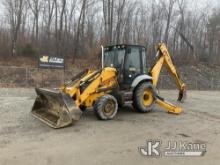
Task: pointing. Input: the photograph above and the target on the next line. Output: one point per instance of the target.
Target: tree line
(77, 28)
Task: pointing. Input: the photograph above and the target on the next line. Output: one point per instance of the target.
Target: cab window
(114, 58)
(133, 63)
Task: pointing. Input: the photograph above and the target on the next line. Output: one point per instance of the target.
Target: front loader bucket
(55, 108)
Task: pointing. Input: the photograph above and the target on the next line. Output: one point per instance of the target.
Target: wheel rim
(109, 108)
(147, 97)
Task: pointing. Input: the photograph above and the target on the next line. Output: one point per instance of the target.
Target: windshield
(114, 58)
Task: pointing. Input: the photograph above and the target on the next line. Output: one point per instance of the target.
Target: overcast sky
(212, 3)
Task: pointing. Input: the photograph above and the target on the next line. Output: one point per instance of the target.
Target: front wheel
(144, 97)
(106, 107)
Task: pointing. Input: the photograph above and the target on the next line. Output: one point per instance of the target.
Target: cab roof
(123, 46)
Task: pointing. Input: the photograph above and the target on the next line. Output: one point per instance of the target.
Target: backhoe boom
(164, 58)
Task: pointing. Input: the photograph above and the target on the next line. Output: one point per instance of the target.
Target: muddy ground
(24, 140)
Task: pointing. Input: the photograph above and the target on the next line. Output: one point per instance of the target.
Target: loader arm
(164, 58)
(92, 86)
(60, 108)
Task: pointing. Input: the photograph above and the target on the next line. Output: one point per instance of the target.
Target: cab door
(132, 65)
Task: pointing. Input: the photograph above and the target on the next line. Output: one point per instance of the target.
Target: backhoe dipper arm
(165, 58)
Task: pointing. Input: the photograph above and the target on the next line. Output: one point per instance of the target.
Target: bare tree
(60, 34)
(35, 6)
(14, 11)
(65, 26)
(168, 8)
(108, 14)
(80, 25)
(120, 10)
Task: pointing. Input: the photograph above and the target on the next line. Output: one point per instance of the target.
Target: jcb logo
(44, 59)
(152, 148)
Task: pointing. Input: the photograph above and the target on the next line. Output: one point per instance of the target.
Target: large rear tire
(144, 97)
(106, 107)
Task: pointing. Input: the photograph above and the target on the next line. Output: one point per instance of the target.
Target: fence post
(196, 84)
(42, 79)
(212, 84)
(26, 70)
(63, 77)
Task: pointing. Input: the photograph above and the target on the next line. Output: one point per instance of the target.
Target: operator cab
(129, 61)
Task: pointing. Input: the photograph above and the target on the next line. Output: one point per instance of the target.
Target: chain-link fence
(196, 83)
(34, 77)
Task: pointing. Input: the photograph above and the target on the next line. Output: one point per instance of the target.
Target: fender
(140, 78)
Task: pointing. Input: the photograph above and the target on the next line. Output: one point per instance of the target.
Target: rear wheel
(106, 107)
(144, 97)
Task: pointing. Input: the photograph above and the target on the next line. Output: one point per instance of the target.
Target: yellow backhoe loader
(123, 78)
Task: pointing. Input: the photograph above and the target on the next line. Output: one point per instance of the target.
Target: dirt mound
(200, 77)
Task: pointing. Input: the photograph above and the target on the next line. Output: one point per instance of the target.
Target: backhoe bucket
(182, 95)
(55, 108)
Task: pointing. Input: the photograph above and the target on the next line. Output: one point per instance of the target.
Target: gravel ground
(24, 140)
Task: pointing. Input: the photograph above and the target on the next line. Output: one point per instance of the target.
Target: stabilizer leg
(168, 106)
